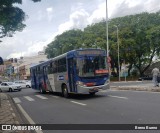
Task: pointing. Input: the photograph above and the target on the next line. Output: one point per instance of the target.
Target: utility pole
(107, 46)
(118, 53)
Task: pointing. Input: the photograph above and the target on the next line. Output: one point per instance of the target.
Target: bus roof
(67, 54)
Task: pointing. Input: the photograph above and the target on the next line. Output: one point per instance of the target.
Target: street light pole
(107, 45)
(118, 53)
(107, 30)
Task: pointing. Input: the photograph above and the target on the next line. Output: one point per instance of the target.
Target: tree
(135, 45)
(12, 17)
(65, 42)
(139, 40)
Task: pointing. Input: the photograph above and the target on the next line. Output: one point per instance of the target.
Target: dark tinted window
(62, 65)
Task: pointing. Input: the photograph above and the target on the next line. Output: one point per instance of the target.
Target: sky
(48, 18)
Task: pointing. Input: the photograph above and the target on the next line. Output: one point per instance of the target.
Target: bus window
(62, 65)
(91, 66)
(55, 66)
(50, 68)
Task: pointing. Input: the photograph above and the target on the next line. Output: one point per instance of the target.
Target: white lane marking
(118, 97)
(28, 117)
(28, 98)
(104, 91)
(114, 90)
(14, 115)
(79, 103)
(55, 96)
(17, 100)
(42, 97)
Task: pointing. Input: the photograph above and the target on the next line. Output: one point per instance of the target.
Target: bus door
(71, 74)
(34, 78)
(44, 75)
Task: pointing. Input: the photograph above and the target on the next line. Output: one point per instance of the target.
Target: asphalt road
(111, 107)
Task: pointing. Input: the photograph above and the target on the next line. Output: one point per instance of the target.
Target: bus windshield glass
(90, 66)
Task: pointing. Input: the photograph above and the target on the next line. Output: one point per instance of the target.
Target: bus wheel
(92, 93)
(65, 91)
(10, 90)
(42, 91)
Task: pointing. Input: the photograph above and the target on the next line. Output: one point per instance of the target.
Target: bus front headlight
(107, 81)
(80, 83)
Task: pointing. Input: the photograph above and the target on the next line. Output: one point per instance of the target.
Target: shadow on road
(74, 96)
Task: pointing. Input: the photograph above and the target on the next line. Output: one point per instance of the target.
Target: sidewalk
(138, 87)
(145, 85)
(9, 113)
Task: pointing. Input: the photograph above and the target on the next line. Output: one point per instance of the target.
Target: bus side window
(39, 70)
(54, 65)
(62, 65)
(50, 68)
(36, 70)
(64, 68)
(31, 71)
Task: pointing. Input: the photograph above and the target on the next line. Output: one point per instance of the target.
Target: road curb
(136, 88)
(18, 116)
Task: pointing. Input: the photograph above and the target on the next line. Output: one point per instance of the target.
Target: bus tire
(10, 90)
(65, 91)
(92, 93)
(42, 91)
(27, 86)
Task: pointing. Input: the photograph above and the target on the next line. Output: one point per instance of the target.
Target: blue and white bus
(82, 71)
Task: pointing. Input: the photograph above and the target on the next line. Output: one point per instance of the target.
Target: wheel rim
(41, 90)
(65, 92)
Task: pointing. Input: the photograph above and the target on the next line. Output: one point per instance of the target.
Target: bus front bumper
(87, 90)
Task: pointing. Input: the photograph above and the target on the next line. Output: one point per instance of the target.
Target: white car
(9, 86)
(24, 83)
(28, 84)
(21, 83)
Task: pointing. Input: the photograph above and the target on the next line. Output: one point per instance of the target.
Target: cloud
(42, 26)
(40, 15)
(98, 14)
(128, 7)
(32, 48)
(49, 13)
(77, 19)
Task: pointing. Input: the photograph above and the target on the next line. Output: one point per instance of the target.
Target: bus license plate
(94, 89)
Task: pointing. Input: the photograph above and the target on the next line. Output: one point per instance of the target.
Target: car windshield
(90, 66)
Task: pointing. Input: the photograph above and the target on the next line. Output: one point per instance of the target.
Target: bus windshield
(89, 66)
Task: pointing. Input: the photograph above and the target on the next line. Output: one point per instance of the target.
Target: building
(7, 70)
(22, 67)
(2, 69)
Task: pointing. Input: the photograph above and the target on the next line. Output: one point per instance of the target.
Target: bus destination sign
(90, 52)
